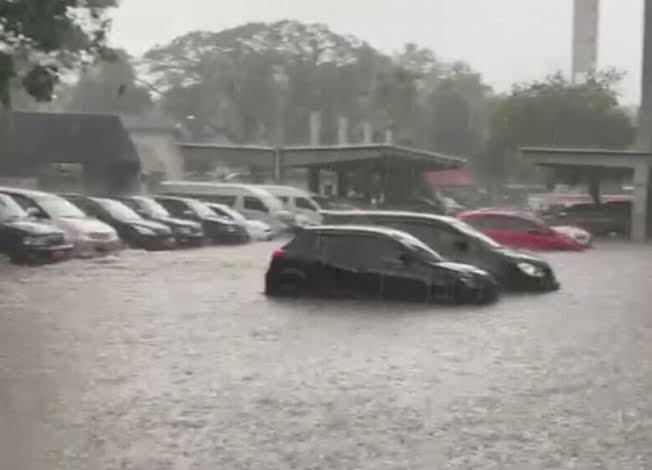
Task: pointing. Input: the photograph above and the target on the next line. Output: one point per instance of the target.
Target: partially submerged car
(25, 240)
(89, 236)
(185, 232)
(606, 219)
(459, 242)
(132, 228)
(519, 230)
(373, 263)
(217, 229)
(257, 229)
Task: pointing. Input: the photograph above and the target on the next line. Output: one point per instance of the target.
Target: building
(586, 16)
(68, 152)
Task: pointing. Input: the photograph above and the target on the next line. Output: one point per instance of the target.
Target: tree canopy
(42, 39)
(557, 113)
(251, 82)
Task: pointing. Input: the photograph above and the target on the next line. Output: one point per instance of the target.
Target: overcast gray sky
(505, 40)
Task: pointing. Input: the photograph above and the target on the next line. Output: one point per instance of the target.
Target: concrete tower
(585, 38)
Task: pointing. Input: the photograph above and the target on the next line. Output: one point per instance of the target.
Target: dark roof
(369, 229)
(402, 214)
(43, 138)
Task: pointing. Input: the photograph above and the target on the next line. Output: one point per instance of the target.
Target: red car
(519, 230)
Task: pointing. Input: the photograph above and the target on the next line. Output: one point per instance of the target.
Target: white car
(580, 235)
(257, 229)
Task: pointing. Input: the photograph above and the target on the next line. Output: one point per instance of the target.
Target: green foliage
(258, 81)
(556, 113)
(111, 87)
(41, 39)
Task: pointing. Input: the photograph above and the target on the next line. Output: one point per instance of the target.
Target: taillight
(278, 254)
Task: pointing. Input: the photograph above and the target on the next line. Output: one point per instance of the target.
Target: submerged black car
(25, 240)
(458, 241)
(186, 232)
(132, 228)
(372, 263)
(217, 229)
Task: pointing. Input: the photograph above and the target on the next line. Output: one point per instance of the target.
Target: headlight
(145, 231)
(35, 241)
(183, 230)
(531, 270)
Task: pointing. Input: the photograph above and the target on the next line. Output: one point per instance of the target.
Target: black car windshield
(225, 211)
(58, 207)
(10, 210)
(421, 249)
(153, 208)
(118, 210)
(471, 232)
(201, 209)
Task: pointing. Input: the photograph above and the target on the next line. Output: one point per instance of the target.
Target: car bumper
(518, 282)
(190, 240)
(93, 248)
(48, 254)
(157, 243)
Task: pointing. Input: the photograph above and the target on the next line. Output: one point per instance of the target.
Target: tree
(42, 39)
(110, 86)
(556, 113)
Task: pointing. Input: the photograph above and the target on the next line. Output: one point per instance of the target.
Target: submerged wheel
(288, 286)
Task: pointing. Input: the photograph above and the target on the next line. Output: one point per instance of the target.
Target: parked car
(256, 229)
(459, 242)
(251, 201)
(25, 240)
(612, 217)
(519, 230)
(372, 263)
(297, 201)
(89, 235)
(185, 232)
(132, 228)
(217, 229)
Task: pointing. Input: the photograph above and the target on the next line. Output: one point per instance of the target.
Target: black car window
(174, 206)
(355, 251)
(305, 243)
(24, 202)
(227, 200)
(9, 209)
(305, 203)
(439, 238)
(254, 204)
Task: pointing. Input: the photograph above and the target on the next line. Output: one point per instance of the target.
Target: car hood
(151, 225)
(83, 225)
(463, 268)
(221, 221)
(32, 227)
(177, 222)
(521, 256)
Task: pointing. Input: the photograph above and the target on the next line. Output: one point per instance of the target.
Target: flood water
(177, 361)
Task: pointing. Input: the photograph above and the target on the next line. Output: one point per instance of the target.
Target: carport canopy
(640, 163)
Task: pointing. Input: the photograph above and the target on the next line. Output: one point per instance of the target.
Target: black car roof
(402, 214)
(366, 229)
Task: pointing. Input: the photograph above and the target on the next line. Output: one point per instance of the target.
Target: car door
(529, 234)
(496, 226)
(404, 277)
(346, 266)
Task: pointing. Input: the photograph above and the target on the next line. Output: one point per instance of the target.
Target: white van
(298, 201)
(253, 202)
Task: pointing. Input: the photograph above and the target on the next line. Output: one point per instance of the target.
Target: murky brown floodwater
(176, 361)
